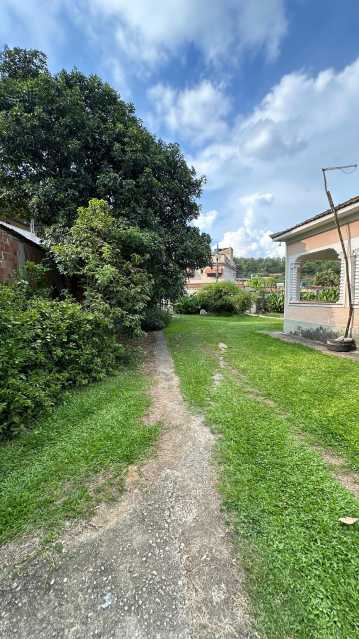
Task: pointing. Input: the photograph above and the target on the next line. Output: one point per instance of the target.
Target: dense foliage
(312, 267)
(220, 298)
(68, 138)
(326, 278)
(329, 294)
(155, 319)
(264, 266)
(248, 266)
(116, 208)
(188, 305)
(109, 258)
(47, 346)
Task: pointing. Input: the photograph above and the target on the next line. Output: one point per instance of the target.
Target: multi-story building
(222, 269)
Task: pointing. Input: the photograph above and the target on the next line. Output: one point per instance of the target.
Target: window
(316, 278)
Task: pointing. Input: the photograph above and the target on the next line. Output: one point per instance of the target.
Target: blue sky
(260, 94)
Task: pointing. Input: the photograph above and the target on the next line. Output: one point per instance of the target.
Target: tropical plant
(330, 295)
(274, 302)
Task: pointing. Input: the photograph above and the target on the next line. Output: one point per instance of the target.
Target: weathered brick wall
(14, 253)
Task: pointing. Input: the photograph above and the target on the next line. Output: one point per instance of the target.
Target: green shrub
(328, 278)
(47, 346)
(188, 305)
(155, 319)
(223, 298)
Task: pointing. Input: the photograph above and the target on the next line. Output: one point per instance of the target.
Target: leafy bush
(274, 302)
(155, 319)
(223, 297)
(46, 347)
(328, 278)
(188, 305)
(34, 280)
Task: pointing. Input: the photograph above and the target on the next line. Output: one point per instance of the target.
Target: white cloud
(305, 122)
(153, 32)
(263, 198)
(196, 113)
(303, 118)
(252, 243)
(205, 220)
(250, 239)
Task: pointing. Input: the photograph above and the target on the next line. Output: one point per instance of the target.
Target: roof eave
(312, 226)
(34, 240)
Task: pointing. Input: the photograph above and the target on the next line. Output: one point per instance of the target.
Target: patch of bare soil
(251, 392)
(157, 564)
(348, 479)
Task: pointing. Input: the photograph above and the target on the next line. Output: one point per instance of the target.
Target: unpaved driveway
(157, 565)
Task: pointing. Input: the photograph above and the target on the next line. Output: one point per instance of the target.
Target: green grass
(301, 564)
(75, 457)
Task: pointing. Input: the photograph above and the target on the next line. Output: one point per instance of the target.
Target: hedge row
(220, 298)
(46, 347)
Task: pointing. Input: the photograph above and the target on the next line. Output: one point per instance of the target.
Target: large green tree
(68, 138)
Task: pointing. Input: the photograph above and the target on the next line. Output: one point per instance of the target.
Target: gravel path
(159, 564)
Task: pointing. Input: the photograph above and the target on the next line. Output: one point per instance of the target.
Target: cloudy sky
(259, 93)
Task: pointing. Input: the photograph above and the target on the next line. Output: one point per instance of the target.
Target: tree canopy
(69, 138)
(326, 278)
(248, 266)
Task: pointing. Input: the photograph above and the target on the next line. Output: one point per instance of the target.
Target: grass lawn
(75, 457)
(302, 565)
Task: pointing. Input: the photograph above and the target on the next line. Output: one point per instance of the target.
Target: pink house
(317, 239)
(222, 269)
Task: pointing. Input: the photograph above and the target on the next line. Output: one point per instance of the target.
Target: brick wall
(14, 253)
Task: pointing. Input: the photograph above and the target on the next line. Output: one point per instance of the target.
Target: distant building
(222, 269)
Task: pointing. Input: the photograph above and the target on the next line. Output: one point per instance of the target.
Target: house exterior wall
(322, 320)
(229, 275)
(14, 253)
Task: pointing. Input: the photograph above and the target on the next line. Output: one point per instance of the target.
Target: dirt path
(158, 565)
